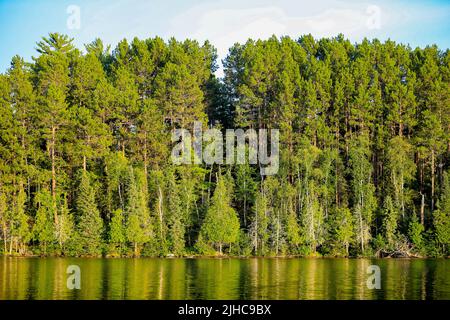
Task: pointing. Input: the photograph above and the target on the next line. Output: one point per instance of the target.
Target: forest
(85, 145)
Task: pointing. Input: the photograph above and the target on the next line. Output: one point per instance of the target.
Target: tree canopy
(85, 166)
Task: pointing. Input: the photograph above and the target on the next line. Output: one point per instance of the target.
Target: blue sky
(223, 22)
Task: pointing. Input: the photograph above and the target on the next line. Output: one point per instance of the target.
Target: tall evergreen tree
(363, 189)
(344, 228)
(221, 225)
(441, 216)
(138, 227)
(51, 70)
(117, 236)
(65, 226)
(44, 228)
(89, 222)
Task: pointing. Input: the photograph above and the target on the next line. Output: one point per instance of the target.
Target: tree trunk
(361, 229)
(160, 212)
(52, 154)
(122, 204)
(432, 180)
(4, 237)
(402, 202)
(256, 229)
(278, 233)
(337, 175)
(209, 185)
(245, 203)
(5, 246)
(422, 209)
(145, 164)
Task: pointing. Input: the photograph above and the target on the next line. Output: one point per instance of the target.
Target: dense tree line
(85, 142)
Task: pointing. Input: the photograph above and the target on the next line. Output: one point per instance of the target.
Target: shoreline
(224, 257)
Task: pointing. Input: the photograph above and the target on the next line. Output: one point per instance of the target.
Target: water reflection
(258, 278)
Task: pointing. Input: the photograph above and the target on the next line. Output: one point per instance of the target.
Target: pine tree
(117, 236)
(312, 213)
(402, 170)
(363, 189)
(44, 228)
(344, 228)
(441, 216)
(116, 171)
(221, 224)
(245, 189)
(138, 228)
(89, 222)
(125, 107)
(415, 232)
(51, 70)
(20, 229)
(91, 135)
(65, 227)
(259, 226)
(177, 220)
(180, 96)
(3, 221)
(293, 235)
(390, 217)
(430, 134)
(23, 108)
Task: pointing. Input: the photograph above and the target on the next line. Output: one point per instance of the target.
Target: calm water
(258, 278)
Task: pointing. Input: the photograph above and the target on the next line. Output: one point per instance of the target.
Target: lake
(203, 278)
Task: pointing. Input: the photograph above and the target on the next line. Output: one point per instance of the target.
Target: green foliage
(138, 228)
(117, 237)
(89, 222)
(344, 228)
(390, 216)
(441, 216)
(293, 230)
(415, 233)
(64, 226)
(20, 229)
(402, 169)
(363, 190)
(85, 161)
(44, 229)
(3, 220)
(259, 226)
(245, 189)
(221, 225)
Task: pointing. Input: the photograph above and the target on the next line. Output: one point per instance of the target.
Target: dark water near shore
(255, 278)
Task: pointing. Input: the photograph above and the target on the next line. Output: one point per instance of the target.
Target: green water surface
(254, 278)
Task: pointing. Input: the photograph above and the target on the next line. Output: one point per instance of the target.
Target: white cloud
(223, 27)
(113, 21)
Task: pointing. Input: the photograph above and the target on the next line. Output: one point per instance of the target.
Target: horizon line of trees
(85, 146)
